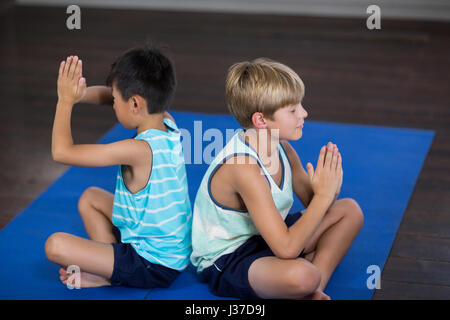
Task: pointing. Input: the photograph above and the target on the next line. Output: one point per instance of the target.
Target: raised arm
(300, 181)
(287, 243)
(71, 86)
(98, 95)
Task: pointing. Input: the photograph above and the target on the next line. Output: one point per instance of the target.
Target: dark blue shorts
(131, 270)
(228, 276)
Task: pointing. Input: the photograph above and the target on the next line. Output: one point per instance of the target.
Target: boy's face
(289, 121)
(121, 107)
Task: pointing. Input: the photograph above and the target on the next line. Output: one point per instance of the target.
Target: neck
(264, 141)
(152, 121)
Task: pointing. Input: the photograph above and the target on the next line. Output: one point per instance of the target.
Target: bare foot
(318, 295)
(87, 280)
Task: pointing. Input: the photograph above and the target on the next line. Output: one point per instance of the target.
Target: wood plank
(395, 290)
(418, 245)
(420, 271)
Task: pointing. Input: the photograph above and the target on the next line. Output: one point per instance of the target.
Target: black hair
(147, 72)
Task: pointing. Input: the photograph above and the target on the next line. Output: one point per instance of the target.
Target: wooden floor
(398, 76)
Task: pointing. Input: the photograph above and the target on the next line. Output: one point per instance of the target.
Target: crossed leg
(275, 278)
(95, 207)
(271, 277)
(94, 257)
(334, 236)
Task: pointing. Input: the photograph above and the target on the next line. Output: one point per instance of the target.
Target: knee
(353, 211)
(54, 247)
(85, 200)
(305, 279)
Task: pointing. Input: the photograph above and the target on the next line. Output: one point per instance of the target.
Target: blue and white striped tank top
(218, 230)
(156, 221)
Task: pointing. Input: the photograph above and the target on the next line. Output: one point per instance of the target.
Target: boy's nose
(303, 113)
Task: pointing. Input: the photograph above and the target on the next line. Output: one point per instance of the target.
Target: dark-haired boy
(140, 236)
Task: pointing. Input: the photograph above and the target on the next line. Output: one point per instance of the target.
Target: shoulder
(139, 144)
(243, 171)
(138, 149)
(246, 179)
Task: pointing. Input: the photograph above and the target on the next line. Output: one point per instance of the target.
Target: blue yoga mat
(381, 166)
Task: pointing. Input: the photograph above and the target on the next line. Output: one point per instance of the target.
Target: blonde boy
(244, 242)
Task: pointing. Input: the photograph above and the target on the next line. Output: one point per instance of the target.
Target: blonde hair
(261, 85)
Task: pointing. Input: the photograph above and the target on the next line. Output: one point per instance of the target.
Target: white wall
(403, 9)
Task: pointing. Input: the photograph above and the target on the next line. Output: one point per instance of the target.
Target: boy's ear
(137, 104)
(258, 120)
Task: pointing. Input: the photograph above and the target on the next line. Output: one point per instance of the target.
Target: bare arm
(103, 95)
(98, 95)
(286, 243)
(300, 180)
(71, 86)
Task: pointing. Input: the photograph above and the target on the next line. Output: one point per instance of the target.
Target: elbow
(58, 155)
(287, 251)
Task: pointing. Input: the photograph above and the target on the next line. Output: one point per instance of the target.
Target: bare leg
(274, 278)
(95, 259)
(334, 237)
(95, 207)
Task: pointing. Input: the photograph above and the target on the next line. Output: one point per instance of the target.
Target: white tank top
(219, 230)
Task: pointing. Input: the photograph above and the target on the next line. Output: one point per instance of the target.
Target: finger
(72, 67)
(329, 156)
(67, 66)
(321, 159)
(61, 68)
(339, 164)
(78, 69)
(310, 169)
(81, 84)
(337, 153)
(334, 160)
